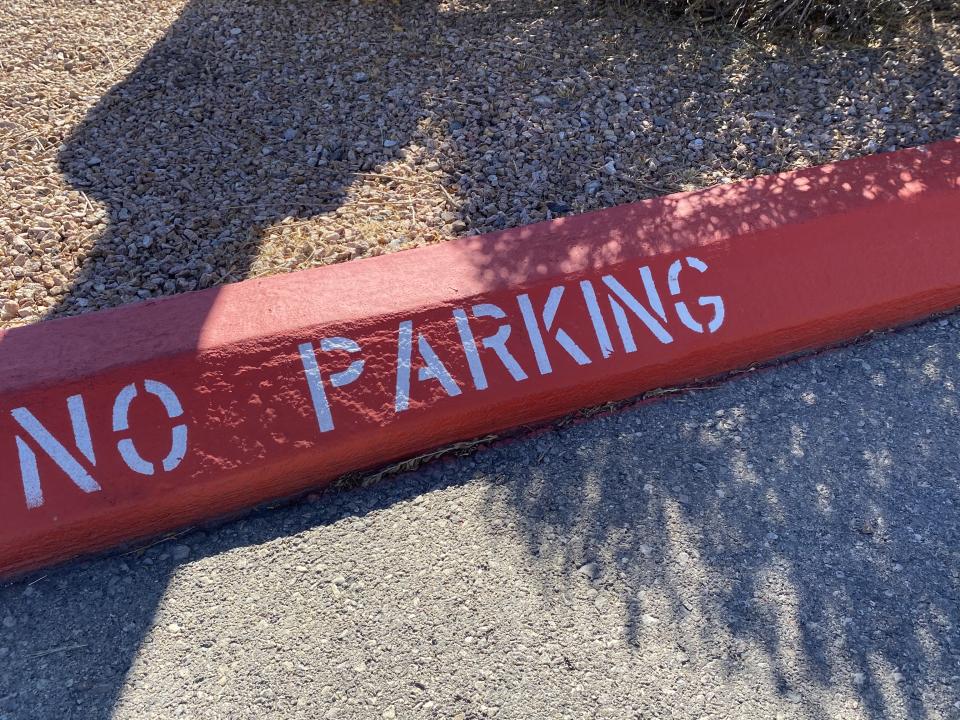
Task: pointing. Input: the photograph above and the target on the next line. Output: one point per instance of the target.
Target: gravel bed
(150, 147)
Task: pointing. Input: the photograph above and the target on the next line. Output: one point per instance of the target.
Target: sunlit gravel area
(150, 147)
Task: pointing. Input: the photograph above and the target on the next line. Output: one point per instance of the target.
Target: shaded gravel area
(785, 545)
(150, 147)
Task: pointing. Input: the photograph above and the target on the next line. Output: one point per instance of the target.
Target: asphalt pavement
(785, 544)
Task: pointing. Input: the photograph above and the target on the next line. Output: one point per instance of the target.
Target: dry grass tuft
(848, 19)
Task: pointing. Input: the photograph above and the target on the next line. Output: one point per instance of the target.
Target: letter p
(318, 395)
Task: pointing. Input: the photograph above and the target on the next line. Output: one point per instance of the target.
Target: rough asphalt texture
(783, 545)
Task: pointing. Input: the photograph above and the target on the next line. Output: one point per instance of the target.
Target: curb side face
(151, 444)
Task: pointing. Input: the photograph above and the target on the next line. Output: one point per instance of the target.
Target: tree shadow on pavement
(807, 517)
(189, 195)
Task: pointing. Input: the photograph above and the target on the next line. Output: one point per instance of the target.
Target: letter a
(433, 367)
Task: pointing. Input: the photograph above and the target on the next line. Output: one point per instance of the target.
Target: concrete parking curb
(131, 422)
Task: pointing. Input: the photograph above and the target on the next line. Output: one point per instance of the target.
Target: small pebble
(590, 570)
(180, 552)
(10, 310)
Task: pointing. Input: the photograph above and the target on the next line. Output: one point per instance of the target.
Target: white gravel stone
(10, 310)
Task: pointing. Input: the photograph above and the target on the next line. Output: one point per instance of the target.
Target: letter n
(55, 450)
(619, 297)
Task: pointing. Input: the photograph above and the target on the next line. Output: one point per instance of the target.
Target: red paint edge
(800, 260)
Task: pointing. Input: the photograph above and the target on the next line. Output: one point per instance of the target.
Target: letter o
(121, 423)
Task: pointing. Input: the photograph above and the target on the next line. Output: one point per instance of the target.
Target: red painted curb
(130, 422)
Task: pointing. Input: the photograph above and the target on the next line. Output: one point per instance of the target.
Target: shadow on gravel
(841, 510)
(250, 129)
(680, 222)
